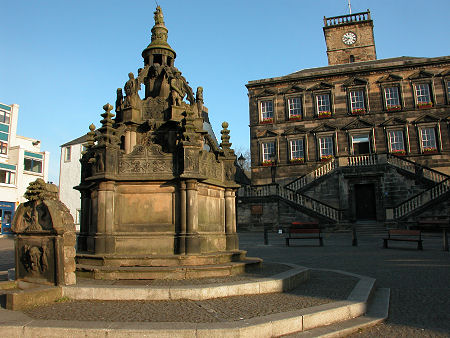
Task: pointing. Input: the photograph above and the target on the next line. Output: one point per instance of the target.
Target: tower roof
(159, 36)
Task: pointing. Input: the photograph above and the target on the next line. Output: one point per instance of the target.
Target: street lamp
(273, 167)
(241, 161)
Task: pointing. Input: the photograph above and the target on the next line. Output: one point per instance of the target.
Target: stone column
(85, 224)
(127, 142)
(132, 140)
(104, 242)
(230, 220)
(183, 206)
(192, 237)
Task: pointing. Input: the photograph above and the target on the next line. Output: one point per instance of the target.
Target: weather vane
(349, 6)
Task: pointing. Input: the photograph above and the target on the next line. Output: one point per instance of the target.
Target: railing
(343, 19)
(421, 199)
(292, 196)
(362, 160)
(416, 169)
(304, 180)
(351, 161)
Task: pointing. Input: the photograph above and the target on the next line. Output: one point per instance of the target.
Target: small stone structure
(45, 243)
(157, 192)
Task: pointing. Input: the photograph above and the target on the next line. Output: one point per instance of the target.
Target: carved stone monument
(158, 193)
(45, 243)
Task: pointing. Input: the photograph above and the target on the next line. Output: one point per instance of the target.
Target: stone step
(165, 272)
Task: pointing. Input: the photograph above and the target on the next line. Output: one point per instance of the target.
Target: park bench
(404, 235)
(304, 230)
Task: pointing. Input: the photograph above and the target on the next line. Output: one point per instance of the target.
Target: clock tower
(349, 38)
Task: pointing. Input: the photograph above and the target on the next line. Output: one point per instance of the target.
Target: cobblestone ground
(419, 280)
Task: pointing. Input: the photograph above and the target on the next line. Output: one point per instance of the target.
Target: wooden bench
(304, 230)
(404, 235)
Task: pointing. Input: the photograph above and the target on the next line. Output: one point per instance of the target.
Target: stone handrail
(304, 180)
(362, 160)
(416, 168)
(291, 196)
(418, 200)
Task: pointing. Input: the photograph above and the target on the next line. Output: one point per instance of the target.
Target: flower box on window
(394, 108)
(298, 160)
(429, 150)
(399, 152)
(424, 105)
(267, 120)
(358, 111)
(295, 118)
(268, 163)
(324, 114)
(326, 158)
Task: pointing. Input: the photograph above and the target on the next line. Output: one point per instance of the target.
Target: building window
(3, 148)
(4, 117)
(297, 151)
(323, 105)
(7, 177)
(78, 216)
(392, 99)
(67, 153)
(295, 108)
(428, 139)
(31, 164)
(268, 153)
(326, 148)
(357, 102)
(266, 111)
(361, 144)
(396, 142)
(448, 92)
(423, 95)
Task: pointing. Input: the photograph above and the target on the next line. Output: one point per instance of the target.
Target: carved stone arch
(358, 123)
(421, 74)
(390, 78)
(321, 86)
(355, 81)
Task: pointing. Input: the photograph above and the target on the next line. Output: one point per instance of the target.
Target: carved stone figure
(199, 100)
(159, 18)
(45, 237)
(119, 99)
(131, 92)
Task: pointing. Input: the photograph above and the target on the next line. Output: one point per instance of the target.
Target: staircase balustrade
(362, 160)
(291, 196)
(421, 199)
(416, 169)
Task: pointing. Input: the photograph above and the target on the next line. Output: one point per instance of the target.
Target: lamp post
(241, 161)
(273, 167)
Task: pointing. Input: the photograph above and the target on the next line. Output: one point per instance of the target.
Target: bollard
(354, 238)
(445, 238)
(266, 236)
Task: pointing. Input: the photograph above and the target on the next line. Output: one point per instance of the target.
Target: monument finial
(159, 17)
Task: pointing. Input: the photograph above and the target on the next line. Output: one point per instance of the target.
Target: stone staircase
(293, 191)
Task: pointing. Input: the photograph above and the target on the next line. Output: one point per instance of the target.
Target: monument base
(114, 267)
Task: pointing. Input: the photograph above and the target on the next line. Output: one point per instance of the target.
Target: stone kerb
(282, 282)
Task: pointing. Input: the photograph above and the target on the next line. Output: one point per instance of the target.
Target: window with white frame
(7, 177)
(266, 108)
(392, 98)
(268, 152)
(67, 153)
(357, 101)
(323, 105)
(32, 164)
(428, 139)
(297, 151)
(4, 117)
(3, 148)
(423, 95)
(295, 107)
(326, 147)
(396, 142)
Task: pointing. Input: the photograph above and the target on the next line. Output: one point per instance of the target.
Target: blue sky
(61, 61)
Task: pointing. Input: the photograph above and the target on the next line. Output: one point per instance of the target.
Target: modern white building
(70, 176)
(21, 162)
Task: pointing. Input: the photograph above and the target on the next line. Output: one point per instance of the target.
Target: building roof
(78, 140)
(397, 62)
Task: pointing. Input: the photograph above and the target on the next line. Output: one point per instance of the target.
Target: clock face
(349, 38)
